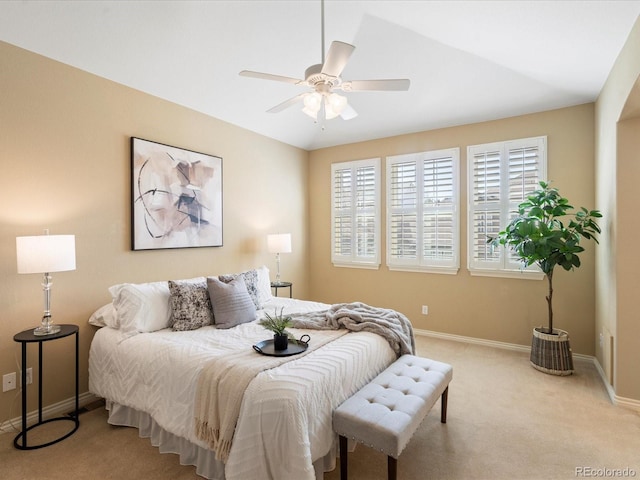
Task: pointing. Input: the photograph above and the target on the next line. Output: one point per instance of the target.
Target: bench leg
(343, 458)
(443, 405)
(392, 468)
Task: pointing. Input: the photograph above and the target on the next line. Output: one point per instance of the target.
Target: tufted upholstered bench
(385, 413)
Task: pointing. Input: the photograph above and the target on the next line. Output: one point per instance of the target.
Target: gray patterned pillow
(231, 302)
(251, 281)
(190, 304)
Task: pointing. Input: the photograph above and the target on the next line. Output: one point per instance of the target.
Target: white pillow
(105, 316)
(142, 307)
(264, 285)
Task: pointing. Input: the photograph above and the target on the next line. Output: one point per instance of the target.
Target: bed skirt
(190, 454)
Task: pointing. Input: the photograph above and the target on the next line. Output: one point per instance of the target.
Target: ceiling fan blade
(348, 113)
(337, 58)
(380, 85)
(287, 103)
(268, 76)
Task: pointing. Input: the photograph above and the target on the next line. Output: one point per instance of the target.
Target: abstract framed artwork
(176, 197)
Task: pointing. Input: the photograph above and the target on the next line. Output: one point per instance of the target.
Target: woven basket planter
(551, 353)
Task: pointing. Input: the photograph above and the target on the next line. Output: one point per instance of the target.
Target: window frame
(506, 265)
(420, 263)
(354, 260)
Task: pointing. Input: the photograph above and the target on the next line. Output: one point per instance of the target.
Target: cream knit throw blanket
(221, 386)
(359, 317)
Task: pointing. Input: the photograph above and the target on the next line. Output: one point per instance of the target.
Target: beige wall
(65, 156)
(627, 353)
(618, 177)
(499, 309)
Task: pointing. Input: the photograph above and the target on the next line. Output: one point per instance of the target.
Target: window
(355, 213)
(501, 175)
(423, 211)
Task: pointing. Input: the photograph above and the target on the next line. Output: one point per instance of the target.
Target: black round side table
(25, 338)
(277, 285)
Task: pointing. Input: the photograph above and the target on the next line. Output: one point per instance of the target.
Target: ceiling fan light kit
(332, 104)
(322, 103)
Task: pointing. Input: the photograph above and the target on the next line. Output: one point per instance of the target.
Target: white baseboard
(472, 340)
(56, 410)
(630, 403)
(605, 381)
(615, 399)
(627, 402)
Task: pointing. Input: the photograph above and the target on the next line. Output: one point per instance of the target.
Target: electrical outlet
(425, 310)
(9, 382)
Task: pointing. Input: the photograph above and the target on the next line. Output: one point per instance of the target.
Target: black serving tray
(266, 347)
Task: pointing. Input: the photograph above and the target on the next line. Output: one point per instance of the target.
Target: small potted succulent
(278, 324)
(539, 236)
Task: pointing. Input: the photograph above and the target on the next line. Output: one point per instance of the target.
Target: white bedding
(285, 417)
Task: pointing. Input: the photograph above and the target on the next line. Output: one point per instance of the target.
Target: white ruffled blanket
(285, 419)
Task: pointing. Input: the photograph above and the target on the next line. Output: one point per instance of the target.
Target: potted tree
(539, 236)
(278, 324)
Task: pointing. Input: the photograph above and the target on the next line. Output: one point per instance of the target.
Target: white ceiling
(468, 61)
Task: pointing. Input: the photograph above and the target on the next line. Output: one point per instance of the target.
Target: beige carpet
(505, 421)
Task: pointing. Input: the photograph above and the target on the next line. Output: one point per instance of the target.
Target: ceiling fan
(324, 79)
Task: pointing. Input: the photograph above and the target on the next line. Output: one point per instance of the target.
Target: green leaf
(536, 212)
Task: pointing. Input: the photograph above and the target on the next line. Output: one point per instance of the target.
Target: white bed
(284, 429)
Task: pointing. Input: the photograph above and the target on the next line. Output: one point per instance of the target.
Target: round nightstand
(277, 285)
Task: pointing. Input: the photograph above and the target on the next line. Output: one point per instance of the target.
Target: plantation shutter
(440, 212)
(524, 174)
(501, 175)
(356, 213)
(342, 221)
(422, 211)
(403, 217)
(485, 210)
(366, 212)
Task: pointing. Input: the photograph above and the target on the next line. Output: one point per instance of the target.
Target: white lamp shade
(46, 253)
(279, 243)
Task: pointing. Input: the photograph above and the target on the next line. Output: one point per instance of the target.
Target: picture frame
(176, 197)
